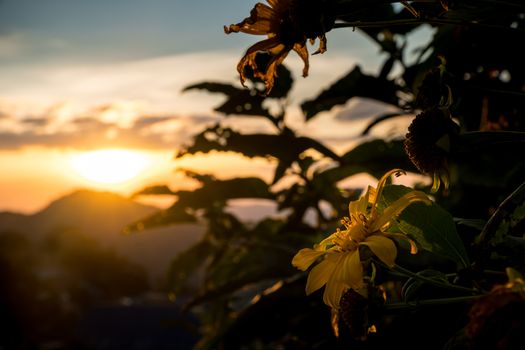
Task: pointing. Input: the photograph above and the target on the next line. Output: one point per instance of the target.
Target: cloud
(139, 104)
(18, 45)
(35, 121)
(13, 45)
(92, 129)
(359, 108)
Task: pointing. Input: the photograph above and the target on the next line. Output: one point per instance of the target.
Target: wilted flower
(288, 25)
(427, 144)
(340, 268)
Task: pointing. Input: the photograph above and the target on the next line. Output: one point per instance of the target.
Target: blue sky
(81, 75)
(78, 57)
(108, 30)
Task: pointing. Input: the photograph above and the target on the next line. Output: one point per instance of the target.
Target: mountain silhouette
(102, 216)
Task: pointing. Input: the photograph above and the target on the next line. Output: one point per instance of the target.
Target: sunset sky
(81, 76)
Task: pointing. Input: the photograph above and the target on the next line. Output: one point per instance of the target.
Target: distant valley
(102, 216)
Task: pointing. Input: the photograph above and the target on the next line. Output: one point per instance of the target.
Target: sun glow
(109, 166)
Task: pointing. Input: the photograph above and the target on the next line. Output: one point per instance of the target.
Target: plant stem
(429, 302)
(400, 22)
(414, 275)
(504, 208)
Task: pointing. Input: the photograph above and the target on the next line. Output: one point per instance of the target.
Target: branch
(402, 22)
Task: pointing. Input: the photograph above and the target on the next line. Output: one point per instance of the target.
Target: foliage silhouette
(466, 88)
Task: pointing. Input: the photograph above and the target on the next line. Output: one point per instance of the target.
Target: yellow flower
(288, 25)
(340, 267)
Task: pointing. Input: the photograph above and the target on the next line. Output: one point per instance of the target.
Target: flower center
(344, 241)
(305, 19)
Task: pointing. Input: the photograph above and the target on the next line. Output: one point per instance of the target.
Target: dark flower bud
(427, 143)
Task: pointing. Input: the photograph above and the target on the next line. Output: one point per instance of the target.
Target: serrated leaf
(222, 190)
(375, 157)
(211, 192)
(282, 146)
(286, 147)
(430, 225)
(355, 83)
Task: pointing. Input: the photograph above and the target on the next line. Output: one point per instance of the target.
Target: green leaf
(375, 157)
(430, 225)
(355, 83)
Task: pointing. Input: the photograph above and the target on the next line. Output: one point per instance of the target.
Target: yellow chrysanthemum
(288, 25)
(340, 268)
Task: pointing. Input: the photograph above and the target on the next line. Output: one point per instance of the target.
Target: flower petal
(325, 243)
(306, 257)
(322, 45)
(352, 270)
(413, 245)
(333, 293)
(261, 21)
(319, 275)
(381, 184)
(279, 4)
(279, 54)
(249, 57)
(302, 51)
(383, 248)
(347, 274)
(335, 322)
(358, 207)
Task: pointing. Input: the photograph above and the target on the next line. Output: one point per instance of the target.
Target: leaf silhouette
(286, 147)
(355, 83)
(238, 102)
(212, 191)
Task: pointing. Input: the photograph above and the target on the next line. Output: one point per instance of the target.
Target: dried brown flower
(288, 25)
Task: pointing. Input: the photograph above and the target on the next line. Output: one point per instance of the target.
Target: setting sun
(109, 166)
